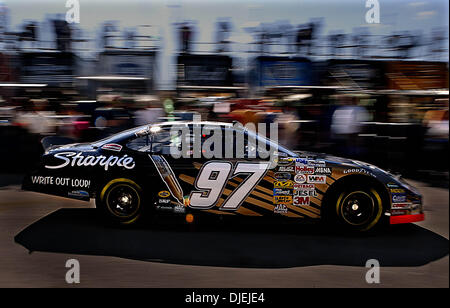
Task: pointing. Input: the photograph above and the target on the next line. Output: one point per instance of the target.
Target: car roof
(131, 132)
(210, 123)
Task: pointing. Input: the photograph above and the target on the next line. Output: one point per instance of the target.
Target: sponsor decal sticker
(164, 194)
(283, 184)
(80, 160)
(282, 192)
(78, 194)
(304, 169)
(283, 161)
(286, 169)
(304, 193)
(179, 209)
(304, 186)
(317, 179)
(392, 185)
(301, 200)
(282, 176)
(323, 170)
(357, 170)
(164, 201)
(60, 181)
(282, 199)
(317, 163)
(399, 212)
(164, 207)
(112, 147)
(401, 205)
(303, 161)
(186, 201)
(300, 178)
(397, 191)
(398, 198)
(280, 209)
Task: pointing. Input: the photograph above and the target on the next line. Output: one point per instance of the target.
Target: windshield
(118, 136)
(270, 143)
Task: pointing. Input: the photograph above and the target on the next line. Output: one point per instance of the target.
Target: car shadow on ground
(246, 243)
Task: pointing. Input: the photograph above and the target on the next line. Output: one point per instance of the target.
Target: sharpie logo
(78, 159)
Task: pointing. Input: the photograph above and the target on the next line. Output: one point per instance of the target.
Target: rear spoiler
(50, 141)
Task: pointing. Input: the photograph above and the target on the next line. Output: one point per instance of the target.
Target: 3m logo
(283, 184)
(301, 200)
(317, 179)
(282, 199)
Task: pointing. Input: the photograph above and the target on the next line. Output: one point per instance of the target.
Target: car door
(231, 183)
(172, 155)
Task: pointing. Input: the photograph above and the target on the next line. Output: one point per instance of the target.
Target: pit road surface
(18, 268)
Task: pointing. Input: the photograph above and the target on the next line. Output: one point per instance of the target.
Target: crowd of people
(351, 125)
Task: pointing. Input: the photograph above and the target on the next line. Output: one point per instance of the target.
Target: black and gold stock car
(149, 168)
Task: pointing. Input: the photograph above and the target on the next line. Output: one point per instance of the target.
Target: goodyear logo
(283, 184)
(282, 199)
(164, 194)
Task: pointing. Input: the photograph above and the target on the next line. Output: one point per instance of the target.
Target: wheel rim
(123, 200)
(357, 208)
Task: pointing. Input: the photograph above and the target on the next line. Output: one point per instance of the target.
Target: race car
(221, 169)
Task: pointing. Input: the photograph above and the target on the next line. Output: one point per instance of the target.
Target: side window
(140, 144)
(249, 145)
(162, 141)
(213, 140)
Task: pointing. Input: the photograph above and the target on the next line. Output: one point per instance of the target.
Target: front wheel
(121, 201)
(359, 208)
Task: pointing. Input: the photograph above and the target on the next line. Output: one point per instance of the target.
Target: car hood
(345, 162)
(327, 157)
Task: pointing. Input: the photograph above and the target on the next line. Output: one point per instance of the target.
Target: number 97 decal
(213, 178)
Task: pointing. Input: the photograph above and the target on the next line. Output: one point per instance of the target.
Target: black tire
(121, 201)
(358, 208)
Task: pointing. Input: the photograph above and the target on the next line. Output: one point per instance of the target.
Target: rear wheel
(121, 201)
(358, 208)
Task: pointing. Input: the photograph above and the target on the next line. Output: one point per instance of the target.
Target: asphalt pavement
(39, 233)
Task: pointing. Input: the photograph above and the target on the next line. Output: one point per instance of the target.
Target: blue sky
(419, 16)
(338, 15)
